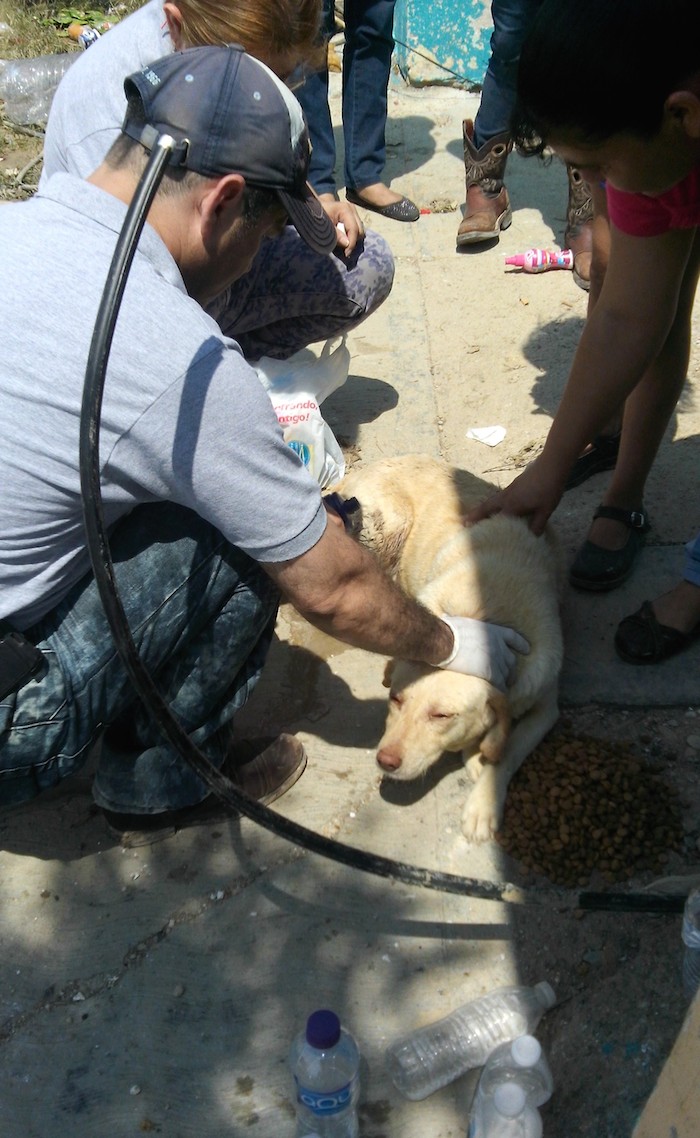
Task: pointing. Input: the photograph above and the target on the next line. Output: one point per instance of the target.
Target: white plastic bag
(296, 387)
(307, 433)
(305, 371)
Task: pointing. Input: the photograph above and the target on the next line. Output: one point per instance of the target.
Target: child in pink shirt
(634, 123)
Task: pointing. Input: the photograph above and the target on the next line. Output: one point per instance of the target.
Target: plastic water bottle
(433, 1056)
(504, 1114)
(539, 260)
(522, 1063)
(325, 1062)
(691, 940)
(27, 86)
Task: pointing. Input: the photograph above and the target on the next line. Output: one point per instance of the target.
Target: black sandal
(597, 569)
(601, 456)
(640, 639)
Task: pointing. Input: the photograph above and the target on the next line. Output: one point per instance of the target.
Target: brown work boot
(578, 235)
(487, 210)
(263, 769)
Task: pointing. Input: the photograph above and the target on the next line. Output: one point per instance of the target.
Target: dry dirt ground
(20, 160)
(29, 30)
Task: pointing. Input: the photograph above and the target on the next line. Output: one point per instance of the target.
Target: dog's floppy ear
(388, 673)
(497, 722)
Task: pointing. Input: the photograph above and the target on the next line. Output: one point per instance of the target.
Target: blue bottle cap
(322, 1029)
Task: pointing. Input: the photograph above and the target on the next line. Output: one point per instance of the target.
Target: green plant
(91, 17)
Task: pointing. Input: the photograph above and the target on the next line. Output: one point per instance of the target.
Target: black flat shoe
(597, 569)
(601, 456)
(640, 639)
(404, 210)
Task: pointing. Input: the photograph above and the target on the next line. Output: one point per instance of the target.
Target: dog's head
(432, 710)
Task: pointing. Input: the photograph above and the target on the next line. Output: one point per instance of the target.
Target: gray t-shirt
(184, 417)
(88, 108)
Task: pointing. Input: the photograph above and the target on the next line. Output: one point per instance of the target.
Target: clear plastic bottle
(433, 1056)
(27, 86)
(504, 1114)
(325, 1062)
(691, 940)
(522, 1062)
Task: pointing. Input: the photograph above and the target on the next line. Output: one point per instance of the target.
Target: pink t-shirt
(644, 216)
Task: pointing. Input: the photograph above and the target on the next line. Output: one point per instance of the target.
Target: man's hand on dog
(484, 649)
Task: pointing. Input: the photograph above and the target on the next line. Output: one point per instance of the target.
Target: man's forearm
(340, 588)
(378, 616)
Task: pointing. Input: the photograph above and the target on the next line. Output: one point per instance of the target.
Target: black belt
(19, 660)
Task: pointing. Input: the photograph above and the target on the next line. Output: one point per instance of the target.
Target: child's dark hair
(597, 68)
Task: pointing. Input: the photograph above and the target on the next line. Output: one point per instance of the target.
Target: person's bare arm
(623, 335)
(340, 588)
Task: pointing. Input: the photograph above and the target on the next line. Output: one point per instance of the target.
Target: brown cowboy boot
(487, 210)
(578, 235)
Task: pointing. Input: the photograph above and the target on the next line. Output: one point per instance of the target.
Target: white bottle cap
(525, 1050)
(546, 993)
(509, 1099)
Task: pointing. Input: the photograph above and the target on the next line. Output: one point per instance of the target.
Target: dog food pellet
(579, 805)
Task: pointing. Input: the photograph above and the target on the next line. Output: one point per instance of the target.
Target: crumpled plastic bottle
(27, 86)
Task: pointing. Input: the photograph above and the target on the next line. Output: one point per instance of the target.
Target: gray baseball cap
(228, 113)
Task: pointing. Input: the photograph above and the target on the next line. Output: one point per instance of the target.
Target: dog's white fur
(412, 511)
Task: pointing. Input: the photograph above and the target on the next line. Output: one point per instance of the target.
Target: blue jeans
(511, 21)
(692, 561)
(369, 43)
(201, 614)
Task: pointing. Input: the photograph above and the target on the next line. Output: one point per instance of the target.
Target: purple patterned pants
(292, 297)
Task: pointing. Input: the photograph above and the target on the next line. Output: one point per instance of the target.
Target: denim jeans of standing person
(369, 43)
(511, 21)
(201, 614)
(487, 144)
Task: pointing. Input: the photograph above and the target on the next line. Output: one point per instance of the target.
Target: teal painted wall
(443, 41)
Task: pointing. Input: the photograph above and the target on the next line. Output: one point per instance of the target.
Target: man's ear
(684, 108)
(173, 18)
(219, 206)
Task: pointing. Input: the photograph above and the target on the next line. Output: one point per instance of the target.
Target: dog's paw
(482, 813)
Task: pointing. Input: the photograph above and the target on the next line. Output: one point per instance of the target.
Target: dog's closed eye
(442, 714)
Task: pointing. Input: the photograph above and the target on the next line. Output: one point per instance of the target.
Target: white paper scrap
(492, 436)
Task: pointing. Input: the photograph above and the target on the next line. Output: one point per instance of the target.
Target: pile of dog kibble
(578, 805)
